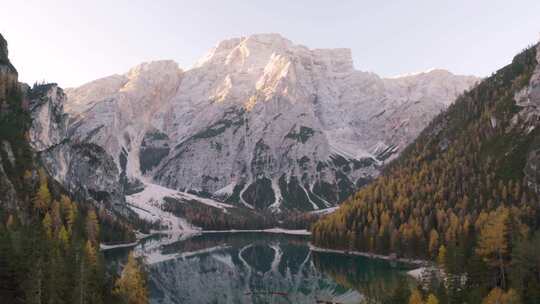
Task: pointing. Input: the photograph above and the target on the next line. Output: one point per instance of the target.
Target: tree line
(458, 196)
(53, 255)
(49, 244)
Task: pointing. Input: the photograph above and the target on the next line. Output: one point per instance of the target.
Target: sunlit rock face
(259, 121)
(84, 168)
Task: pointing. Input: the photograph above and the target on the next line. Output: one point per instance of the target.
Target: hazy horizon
(72, 44)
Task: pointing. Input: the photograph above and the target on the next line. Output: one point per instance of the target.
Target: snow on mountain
(259, 122)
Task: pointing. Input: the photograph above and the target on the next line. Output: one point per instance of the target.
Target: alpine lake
(256, 267)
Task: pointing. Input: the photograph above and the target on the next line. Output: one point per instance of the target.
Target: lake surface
(258, 268)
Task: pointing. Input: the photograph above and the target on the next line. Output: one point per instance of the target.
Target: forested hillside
(49, 244)
(463, 194)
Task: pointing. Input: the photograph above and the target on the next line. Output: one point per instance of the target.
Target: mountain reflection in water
(259, 268)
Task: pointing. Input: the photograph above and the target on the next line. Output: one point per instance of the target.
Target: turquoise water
(258, 268)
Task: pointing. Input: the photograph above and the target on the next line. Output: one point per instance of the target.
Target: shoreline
(419, 265)
(275, 230)
(192, 233)
(416, 262)
(138, 237)
(104, 247)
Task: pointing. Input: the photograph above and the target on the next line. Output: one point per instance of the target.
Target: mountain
(259, 122)
(10, 114)
(85, 169)
(49, 243)
(464, 193)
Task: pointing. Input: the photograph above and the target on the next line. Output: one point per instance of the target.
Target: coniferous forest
(268, 171)
(459, 196)
(49, 243)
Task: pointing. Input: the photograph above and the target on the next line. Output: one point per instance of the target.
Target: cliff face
(259, 121)
(8, 76)
(84, 169)
(529, 101)
(9, 91)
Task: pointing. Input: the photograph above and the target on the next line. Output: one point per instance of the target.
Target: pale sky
(72, 42)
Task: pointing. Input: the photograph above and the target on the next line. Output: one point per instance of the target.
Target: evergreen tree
(498, 296)
(432, 299)
(416, 297)
(131, 286)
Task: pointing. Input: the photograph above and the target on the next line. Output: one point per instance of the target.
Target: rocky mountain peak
(152, 69)
(260, 122)
(154, 75)
(255, 52)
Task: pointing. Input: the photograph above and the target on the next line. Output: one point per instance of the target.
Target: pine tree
(498, 296)
(131, 286)
(47, 225)
(416, 297)
(72, 215)
(92, 226)
(525, 270)
(493, 241)
(441, 257)
(90, 254)
(433, 242)
(63, 237)
(43, 198)
(432, 299)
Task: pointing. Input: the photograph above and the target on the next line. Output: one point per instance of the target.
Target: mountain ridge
(259, 119)
(463, 194)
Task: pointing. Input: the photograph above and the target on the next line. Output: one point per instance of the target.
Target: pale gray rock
(529, 99)
(85, 169)
(259, 121)
(49, 122)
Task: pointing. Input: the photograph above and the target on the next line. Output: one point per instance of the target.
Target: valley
(268, 171)
(257, 158)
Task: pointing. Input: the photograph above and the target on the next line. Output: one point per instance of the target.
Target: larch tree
(92, 226)
(433, 242)
(441, 257)
(498, 296)
(43, 197)
(416, 297)
(493, 241)
(432, 299)
(131, 286)
(47, 225)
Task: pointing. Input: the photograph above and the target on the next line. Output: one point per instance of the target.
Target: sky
(73, 42)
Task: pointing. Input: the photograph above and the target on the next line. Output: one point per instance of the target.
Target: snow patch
(206, 201)
(225, 259)
(315, 207)
(278, 197)
(148, 206)
(227, 190)
(242, 199)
